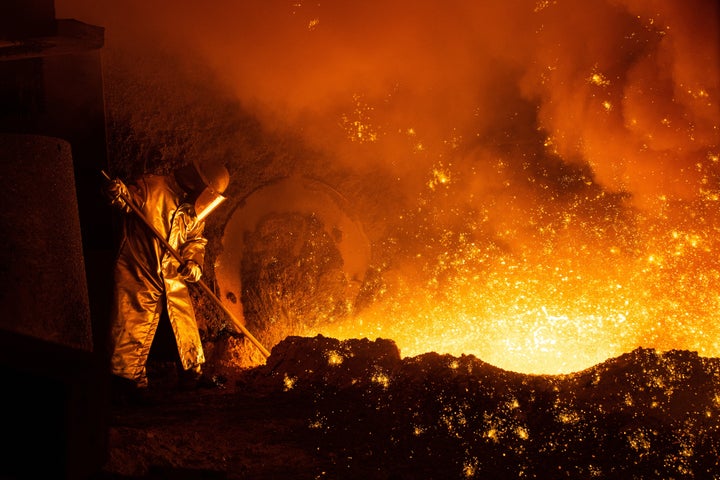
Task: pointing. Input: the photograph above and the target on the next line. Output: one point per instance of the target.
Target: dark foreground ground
(321, 408)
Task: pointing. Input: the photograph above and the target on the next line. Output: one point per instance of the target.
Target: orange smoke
(553, 165)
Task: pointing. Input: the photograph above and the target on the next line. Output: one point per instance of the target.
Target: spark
(541, 5)
(568, 417)
(357, 125)
(381, 379)
(599, 79)
(334, 358)
(440, 176)
(470, 468)
(288, 383)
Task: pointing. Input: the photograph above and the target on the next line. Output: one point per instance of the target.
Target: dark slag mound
(642, 415)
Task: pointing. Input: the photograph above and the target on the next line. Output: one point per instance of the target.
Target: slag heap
(375, 414)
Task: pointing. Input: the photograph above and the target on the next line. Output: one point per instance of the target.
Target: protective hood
(215, 179)
(206, 202)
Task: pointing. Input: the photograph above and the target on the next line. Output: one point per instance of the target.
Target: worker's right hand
(190, 271)
(116, 192)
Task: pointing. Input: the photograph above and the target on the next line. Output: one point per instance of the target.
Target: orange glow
(540, 179)
(570, 295)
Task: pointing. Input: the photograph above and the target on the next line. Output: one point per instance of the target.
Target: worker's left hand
(116, 191)
(190, 271)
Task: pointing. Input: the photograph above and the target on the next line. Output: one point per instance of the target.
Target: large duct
(289, 196)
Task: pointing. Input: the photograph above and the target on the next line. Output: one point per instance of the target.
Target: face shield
(215, 179)
(206, 202)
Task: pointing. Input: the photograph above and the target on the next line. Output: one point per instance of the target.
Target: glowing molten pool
(542, 332)
(570, 292)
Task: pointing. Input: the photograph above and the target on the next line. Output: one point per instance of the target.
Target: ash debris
(645, 414)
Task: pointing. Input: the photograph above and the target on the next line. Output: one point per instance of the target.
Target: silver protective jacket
(147, 278)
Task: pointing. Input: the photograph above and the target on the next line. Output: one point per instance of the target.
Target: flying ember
(538, 180)
(587, 282)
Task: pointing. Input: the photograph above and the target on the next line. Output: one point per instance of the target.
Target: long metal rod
(200, 282)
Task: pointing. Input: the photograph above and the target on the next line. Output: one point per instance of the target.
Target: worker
(148, 279)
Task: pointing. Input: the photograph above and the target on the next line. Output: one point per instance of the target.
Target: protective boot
(191, 379)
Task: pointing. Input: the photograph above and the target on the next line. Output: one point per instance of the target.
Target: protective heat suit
(148, 279)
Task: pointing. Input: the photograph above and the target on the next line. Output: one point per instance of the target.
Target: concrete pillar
(54, 414)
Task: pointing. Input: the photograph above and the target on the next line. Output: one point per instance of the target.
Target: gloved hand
(115, 190)
(190, 271)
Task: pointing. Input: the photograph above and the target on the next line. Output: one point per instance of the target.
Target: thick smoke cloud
(633, 92)
(627, 87)
(519, 142)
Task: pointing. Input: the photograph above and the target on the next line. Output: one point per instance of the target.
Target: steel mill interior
(460, 240)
